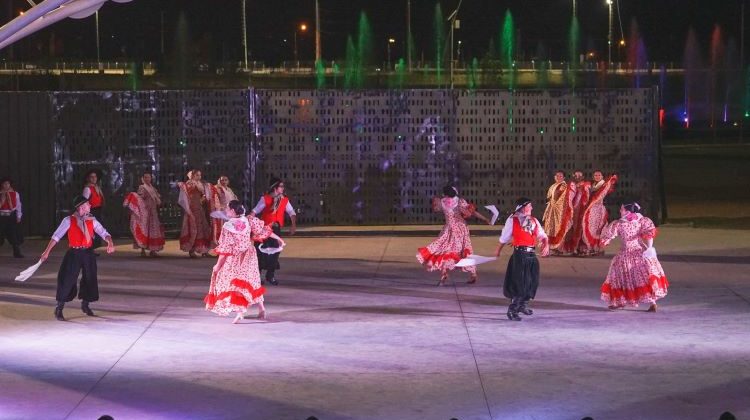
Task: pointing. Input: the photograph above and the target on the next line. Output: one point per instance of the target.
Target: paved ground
(357, 331)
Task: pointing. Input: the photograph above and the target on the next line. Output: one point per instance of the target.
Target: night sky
(133, 30)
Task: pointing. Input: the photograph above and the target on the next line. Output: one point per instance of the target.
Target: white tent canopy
(45, 14)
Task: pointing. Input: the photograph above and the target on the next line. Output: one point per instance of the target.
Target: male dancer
(10, 217)
(80, 228)
(271, 208)
(522, 275)
(92, 191)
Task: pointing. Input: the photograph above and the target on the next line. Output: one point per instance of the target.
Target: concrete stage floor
(358, 331)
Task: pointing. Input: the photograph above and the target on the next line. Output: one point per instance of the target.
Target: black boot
(17, 251)
(85, 308)
(58, 311)
(270, 278)
(524, 308)
(513, 310)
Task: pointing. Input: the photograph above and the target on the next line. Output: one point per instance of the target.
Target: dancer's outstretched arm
(46, 252)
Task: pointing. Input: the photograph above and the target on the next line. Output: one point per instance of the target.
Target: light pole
(98, 56)
(244, 31)
(609, 35)
(408, 34)
(391, 41)
(454, 24)
(302, 28)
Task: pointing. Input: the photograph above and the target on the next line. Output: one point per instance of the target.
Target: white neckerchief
(81, 223)
(528, 223)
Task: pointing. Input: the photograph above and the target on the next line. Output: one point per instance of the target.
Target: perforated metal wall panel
(166, 132)
(348, 157)
(379, 156)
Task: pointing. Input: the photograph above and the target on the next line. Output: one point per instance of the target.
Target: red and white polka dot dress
(633, 278)
(454, 242)
(236, 285)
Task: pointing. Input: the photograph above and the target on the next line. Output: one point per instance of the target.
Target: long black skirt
(522, 276)
(269, 261)
(78, 261)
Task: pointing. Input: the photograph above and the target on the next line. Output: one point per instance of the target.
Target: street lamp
(391, 41)
(302, 28)
(609, 35)
(458, 52)
(454, 25)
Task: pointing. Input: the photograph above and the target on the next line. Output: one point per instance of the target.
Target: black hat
(79, 200)
(96, 171)
(521, 203)
(2, 180)
(274, 183)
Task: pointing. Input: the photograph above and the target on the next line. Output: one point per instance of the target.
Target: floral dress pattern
(454, 241)
(633, 278)
(236, 285)
(196, 230)
(147, 230)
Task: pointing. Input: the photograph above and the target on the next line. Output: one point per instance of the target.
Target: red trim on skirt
(656, 288)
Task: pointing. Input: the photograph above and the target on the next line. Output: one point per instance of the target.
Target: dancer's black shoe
(273, 281)
(58, 312)
(513, 315)
(85, 308)
(525, 310)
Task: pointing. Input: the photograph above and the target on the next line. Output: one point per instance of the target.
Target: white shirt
(262, 205)
(18, 209)
(62, 230)
(86, 192)
(506, 236)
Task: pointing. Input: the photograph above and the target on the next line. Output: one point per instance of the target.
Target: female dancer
(195, 237)
(635, 275)
(147, 230)
(221, 195)
(454, 242)
(235, 280)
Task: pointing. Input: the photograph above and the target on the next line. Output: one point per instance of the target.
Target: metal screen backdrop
(348, 157)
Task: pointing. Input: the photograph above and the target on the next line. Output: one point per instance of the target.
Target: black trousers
(97, 241)
(10, 230)
(521, 277)
(75, 262)
(267, 262)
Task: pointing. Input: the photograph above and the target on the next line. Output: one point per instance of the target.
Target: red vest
(10, 204)
(95, 199)
(269, 217)
(521, 237)
(76, 237)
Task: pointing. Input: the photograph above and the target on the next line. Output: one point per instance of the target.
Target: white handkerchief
(495, 212)
(25, 274)
(649, 253)
(474, 260)
(270, 251)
